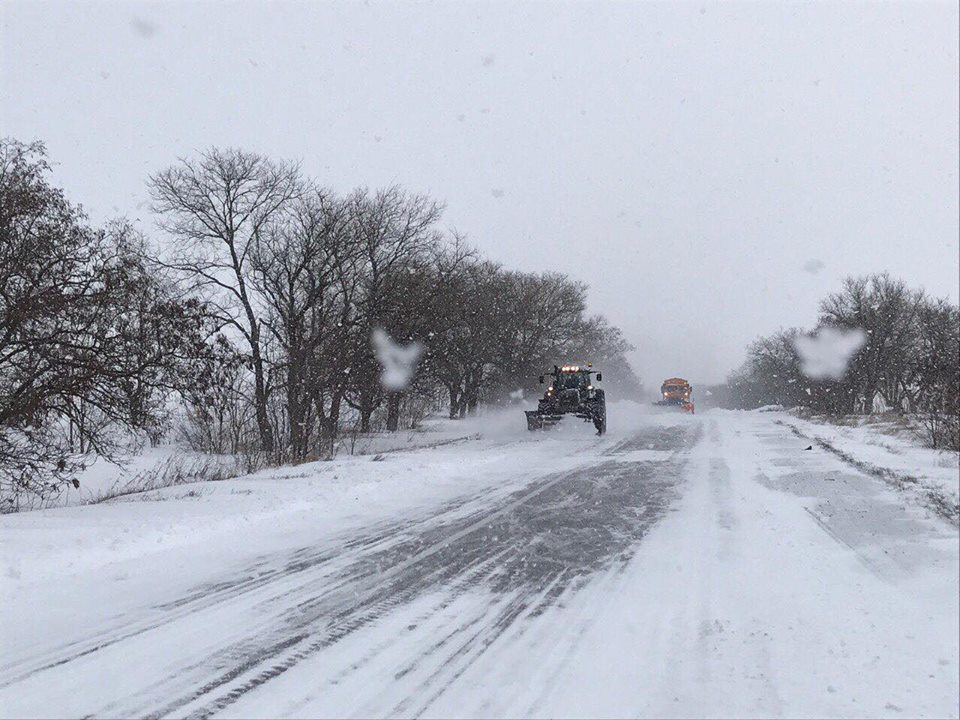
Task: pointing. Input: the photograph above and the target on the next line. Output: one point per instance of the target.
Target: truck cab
(677, 392)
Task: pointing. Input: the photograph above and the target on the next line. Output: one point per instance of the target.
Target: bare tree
(397, 233)
(911, 360)
(85, 334)
(299, 263)
(886, 309)
(215, 208)
(467, 333)
(936, 378)
(543, 314)
(603, 344)
(219, 417)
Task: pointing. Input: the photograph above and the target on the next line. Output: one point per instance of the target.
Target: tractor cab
(572, 380)
(571, 377)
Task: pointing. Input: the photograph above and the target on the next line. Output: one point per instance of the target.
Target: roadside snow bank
(932, 477)
(155, 467)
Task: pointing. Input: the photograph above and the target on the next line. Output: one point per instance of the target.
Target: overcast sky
(711, 170)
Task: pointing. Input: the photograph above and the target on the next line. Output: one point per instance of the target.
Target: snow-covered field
(680, 566)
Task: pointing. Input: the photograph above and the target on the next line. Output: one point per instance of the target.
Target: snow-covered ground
(679, 566)
(143, 468)
(931, 476)
(150, 467)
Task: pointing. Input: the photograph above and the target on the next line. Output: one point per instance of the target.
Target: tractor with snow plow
(571, 392)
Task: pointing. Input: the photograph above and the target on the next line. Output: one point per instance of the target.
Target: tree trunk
(470, 398)
(454, 401)
(334, 417)
(365, 413)
(393, 411)
(260, 394)
(328, 423)
(296, 412)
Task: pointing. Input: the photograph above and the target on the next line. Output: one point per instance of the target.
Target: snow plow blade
(536, 421)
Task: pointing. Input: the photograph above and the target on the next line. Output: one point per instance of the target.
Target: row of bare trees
(300, 277)
(909, 362)
(250, 317)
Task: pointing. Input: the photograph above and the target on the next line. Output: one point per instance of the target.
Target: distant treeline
(909, 362)
(247, 328)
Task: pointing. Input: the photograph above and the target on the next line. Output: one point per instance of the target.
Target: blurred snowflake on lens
(399, 362)
(824, 355)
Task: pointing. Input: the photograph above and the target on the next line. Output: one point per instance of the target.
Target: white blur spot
(825, 355)
(517, 394)
(813, 266)
(143, 27)
(399, 362)
(497, 192)
(488, 60)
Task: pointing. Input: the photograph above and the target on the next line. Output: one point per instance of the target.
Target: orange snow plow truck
(676, 392)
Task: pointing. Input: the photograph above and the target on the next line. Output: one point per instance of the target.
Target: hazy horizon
(711, 170)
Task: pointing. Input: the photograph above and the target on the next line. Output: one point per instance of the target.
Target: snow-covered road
(680, 566)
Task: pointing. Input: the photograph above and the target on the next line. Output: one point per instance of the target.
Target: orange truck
(677, 392)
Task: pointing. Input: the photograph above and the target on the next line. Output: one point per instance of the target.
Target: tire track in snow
(519, 515)
(334, 613)
(525, 550)
(248, 580)
(349, 605)
(210, 595)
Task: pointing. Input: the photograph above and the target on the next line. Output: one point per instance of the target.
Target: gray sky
(710, 169)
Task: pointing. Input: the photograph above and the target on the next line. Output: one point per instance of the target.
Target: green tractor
(571, 392)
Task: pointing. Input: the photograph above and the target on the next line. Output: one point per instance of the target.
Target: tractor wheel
(600, 423)
(600, 418)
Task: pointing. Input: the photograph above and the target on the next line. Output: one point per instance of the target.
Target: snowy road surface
(680, 566)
